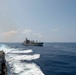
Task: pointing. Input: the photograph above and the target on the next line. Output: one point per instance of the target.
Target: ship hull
(35, 44)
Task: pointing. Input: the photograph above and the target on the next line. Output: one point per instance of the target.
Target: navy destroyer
(32, 43)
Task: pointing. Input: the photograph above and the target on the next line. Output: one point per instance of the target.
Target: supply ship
(32, 43)
(3, 70)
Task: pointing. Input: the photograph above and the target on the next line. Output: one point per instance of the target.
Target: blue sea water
(51, 59)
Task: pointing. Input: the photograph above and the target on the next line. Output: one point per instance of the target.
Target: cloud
(27, 31)
(19, 35)
(30, 33)
(38, 35)
(17, 32)
(10, 33)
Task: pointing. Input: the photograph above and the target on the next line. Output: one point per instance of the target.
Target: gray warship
(32, 43)
(3, 70)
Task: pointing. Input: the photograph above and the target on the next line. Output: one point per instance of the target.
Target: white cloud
(30, 33)
(10, 33)
(19, 35)
(15, 32)
(27, 31)
(37, 35)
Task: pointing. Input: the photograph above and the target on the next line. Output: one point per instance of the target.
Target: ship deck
(3, 70)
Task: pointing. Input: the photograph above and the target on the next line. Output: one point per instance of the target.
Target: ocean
(51, 59)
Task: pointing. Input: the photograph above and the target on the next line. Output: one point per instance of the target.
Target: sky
(42, 20)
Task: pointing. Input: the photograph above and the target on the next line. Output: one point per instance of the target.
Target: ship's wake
(14, 58)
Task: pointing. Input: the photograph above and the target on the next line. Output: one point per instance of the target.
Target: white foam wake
(23, 57)
(25, 68)
(21, 68)
(23, 51)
